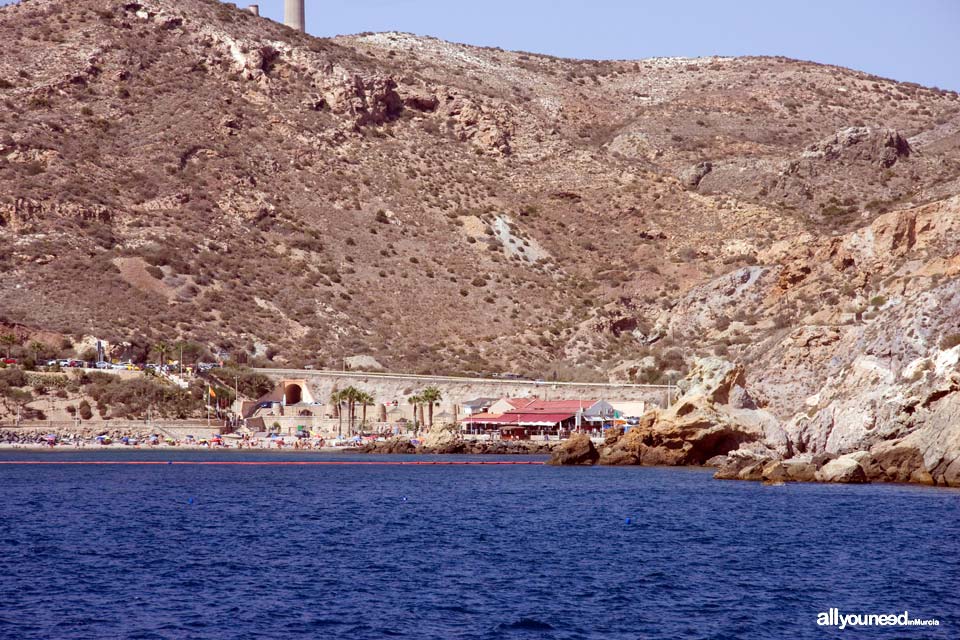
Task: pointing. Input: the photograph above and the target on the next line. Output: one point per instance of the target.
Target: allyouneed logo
(833, 618)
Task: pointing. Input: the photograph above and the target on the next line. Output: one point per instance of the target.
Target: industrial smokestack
(254, 9)
(293, 15)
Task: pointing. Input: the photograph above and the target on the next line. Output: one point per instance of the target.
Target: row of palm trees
(351, 397)
(429, 397)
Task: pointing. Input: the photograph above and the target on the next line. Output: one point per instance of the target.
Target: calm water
(459, 552)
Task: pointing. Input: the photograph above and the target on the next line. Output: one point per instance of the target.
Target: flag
(212, 392)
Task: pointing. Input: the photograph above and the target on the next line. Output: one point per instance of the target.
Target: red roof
(555, 406)
(482, 417)
(521, 417)
(536, 417)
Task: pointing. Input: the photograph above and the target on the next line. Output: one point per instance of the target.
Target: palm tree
(415, 402)
(351, 396)
(161, 349)
(430, 396)
(336, 398)
(8, 340)
(365, 400)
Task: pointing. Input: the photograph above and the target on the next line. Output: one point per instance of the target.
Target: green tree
(336, 399)
(365, 400)
(36, 348)
(161, 349)
(415, 402)
(8, 340)
(430, 397)
(85, 411)
(352, 396)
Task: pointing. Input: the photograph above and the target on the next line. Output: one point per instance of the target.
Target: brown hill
(185, 170)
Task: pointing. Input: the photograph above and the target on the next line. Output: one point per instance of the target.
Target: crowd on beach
(17, 439)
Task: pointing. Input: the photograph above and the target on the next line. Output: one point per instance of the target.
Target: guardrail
(303, 373)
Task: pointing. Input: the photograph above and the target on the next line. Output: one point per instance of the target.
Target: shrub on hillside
(13, 378)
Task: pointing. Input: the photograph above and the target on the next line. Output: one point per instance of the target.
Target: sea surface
(471, 552)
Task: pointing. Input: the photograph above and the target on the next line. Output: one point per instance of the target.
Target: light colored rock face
(441, 435)
(938, 439)
(363, 363)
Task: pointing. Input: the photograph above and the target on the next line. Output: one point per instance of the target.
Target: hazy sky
(915, 40)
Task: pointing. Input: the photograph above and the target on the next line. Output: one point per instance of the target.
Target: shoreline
(97, 450)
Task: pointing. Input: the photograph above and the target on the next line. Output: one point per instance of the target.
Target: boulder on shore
(844, 469)
(742, 465)
(578, 450)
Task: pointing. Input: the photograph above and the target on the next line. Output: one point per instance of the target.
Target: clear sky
(912, 40)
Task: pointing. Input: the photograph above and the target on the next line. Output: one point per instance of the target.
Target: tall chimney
(293, 15)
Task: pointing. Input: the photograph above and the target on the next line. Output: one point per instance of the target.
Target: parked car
(9, 361)
(103, 364)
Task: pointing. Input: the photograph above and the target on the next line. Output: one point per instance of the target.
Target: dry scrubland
(184, 170)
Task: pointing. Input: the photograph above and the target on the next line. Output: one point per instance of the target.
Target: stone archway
(293, 394)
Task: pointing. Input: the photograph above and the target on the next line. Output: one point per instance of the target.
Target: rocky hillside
(185, 170)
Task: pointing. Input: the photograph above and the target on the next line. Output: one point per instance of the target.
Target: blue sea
(469, 552)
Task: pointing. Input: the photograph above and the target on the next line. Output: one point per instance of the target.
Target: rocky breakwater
(37, 437)
(446, 440)
(713, 416)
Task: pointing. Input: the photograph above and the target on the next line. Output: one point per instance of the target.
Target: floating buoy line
(278, 463)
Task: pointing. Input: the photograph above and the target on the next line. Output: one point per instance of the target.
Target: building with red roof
(533, 416)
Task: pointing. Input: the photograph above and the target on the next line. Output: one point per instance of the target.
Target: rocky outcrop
(742, 465)
(692, 176)
(715, 415)
(22, 212)
(489, 127)
(390, 447)
(368, 100)
(578, 450)
(882, 147)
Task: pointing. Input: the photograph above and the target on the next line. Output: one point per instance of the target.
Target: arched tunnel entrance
(293, 394)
